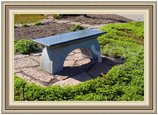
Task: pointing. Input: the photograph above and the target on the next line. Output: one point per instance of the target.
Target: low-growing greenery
(131, 32)
(38, 23)
(77, 27)
(25, 46)
(124, 82)
(57, 16)
(27, 18)
(25, 25)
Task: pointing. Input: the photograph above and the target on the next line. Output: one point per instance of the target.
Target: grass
(27, 18)
(124, 82)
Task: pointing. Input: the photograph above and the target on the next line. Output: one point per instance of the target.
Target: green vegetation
(27, 18)
(124, 82)
(25, 46)
(132, 32)
(25, 25)
(57, 16)
(77, 27)
(38, 23)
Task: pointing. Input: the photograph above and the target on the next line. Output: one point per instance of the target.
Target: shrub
(90, 97)
(77, 27)
(18, 88)
(57, 16)
(38, 23)
(15, 41)
(25, 46)
(129, 32)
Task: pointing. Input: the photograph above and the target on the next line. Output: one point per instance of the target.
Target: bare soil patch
(48, 29)
(52, 27)
(94, 19)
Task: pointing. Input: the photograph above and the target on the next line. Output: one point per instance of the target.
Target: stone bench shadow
(93, 69)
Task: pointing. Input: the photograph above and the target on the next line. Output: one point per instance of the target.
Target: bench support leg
(52, 58)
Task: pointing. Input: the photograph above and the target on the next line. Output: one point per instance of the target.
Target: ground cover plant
(25, 46)
(57, 16)
(27, 18)
(124, 82)
(25, 25)
(38, 23)
(77, 27)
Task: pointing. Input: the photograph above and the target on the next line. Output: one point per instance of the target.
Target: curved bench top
(68, 37)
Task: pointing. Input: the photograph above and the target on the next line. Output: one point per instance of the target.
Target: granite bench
(58, 47)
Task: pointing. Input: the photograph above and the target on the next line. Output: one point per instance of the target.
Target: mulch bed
(48, 29)
(94, 19)
(52, 28)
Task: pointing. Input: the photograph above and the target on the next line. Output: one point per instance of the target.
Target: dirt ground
(94, 19)
(53, 27)
(48, 29)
